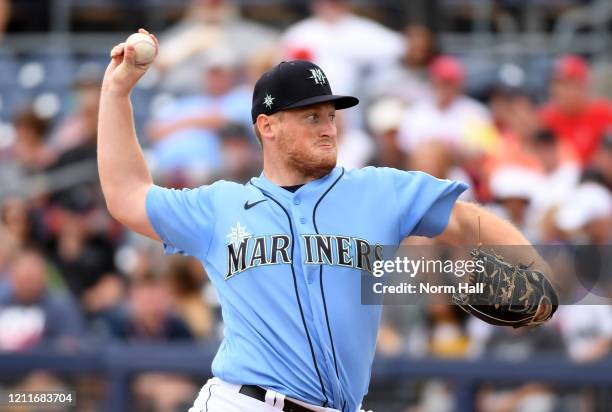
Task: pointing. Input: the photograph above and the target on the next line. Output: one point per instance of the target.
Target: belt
(259, 393)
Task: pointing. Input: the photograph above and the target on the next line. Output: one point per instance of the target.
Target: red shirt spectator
(572, 114)
(582, 130)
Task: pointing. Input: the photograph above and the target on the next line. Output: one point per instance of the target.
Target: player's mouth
(326, 144)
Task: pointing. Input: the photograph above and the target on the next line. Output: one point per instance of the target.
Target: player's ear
(264, 126)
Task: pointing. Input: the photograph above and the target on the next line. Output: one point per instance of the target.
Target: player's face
(308, 138)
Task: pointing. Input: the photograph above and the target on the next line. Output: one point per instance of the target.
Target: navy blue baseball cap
(293, 84)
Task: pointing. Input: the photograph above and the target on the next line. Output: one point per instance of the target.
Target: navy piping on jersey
(297, 296)
(314, 221)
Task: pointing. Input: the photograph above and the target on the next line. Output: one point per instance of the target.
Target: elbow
(115, 208)
(128, 206)
(459, 229)
(118, 207)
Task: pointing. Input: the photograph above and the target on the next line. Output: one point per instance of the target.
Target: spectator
(5, 16)
(14, 216)
(560, 174)
(355, 147)
(185, 278)
(344, 44)
(586, 330)
(79, 129)
(572, 113)
(600, 169)
(447, 334)
(22, 222)
(185, 133)
(207, 25)
(513, 189)
(588, 216)
(27, 156)
(30, 312)
(451, 117)
(84, 256)
(30, 149)
(587, 334)
(241, 160)
(8, 248)
(446, 337)
(406, 79)
(515, 118)
(163, 392)
(384, 117)
(437, 159)
(148, 316)
(73, 177)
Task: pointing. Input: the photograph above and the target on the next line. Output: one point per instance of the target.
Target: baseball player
(285, 250)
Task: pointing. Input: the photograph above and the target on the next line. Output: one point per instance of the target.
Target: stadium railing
(119, 362)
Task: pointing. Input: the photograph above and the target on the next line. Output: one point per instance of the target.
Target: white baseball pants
(220, 396)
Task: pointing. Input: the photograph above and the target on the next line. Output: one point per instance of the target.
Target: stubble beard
(308, 163)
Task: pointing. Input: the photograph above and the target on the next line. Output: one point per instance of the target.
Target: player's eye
(332, 117)
(312, 117)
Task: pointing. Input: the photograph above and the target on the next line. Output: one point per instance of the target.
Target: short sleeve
(424, 202)
(183, 219)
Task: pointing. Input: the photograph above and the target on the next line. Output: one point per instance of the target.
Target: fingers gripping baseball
(129, 62)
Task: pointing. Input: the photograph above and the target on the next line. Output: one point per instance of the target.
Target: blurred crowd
(68, 270)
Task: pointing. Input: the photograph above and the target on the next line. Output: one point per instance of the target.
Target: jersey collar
(311, 187)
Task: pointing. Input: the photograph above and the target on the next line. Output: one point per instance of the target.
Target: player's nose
(328, 128)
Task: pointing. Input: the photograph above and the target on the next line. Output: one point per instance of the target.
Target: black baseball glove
(512, 296)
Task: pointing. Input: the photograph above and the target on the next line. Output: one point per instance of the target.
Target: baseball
(144, 46)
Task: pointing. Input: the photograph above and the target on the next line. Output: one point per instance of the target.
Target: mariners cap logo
(268, 101)
(318, 76)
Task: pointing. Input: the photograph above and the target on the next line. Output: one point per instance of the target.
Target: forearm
(479, 225)
(471, 224)
(121, 164)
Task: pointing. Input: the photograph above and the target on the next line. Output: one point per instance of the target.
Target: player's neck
(286, 177)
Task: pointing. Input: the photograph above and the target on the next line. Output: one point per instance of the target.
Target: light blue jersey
(287, 269)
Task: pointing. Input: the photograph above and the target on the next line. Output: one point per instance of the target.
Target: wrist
(114, 91)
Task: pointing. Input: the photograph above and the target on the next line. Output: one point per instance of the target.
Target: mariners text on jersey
(320, 250)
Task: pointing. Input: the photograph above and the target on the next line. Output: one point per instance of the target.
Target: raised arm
(123, 171)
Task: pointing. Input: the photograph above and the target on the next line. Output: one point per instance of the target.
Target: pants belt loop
(270, 397)
(280, 401)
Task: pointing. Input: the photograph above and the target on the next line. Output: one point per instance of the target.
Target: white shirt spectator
(398, 81)
(355, 149)
(552, 190)
(465, 123)
(345, 47)
(590, 201)
(586, 329)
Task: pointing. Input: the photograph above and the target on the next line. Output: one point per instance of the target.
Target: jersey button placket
(302, 229)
